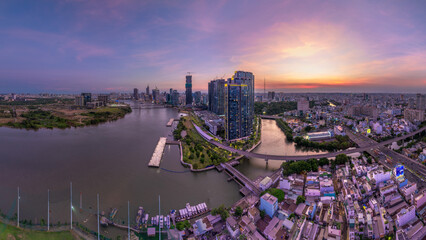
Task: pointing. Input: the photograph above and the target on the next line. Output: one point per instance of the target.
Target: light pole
(48, 209)
(128, 220)
(159, 213)
(98, 216)
(71, 205)
(19, 198)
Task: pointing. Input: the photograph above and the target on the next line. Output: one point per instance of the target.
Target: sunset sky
(298, 46)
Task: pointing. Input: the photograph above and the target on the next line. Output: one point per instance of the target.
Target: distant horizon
(322, 46)
(130, 91)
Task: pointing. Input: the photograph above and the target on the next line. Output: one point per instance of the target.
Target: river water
(273, 142)
(111, 160)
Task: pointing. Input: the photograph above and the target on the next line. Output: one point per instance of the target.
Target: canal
(274, 142)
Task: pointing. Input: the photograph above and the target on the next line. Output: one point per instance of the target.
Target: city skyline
(75, 46)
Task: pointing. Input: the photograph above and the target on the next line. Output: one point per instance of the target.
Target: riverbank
(11, 232)
(196, 150)
(50, 118)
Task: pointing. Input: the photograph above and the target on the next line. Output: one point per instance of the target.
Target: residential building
(421, 101)
(302, 105)
(414, 115)
(216, 94)
(405, 216)
(79, 101)
(269, 204)
(271, 95)
(239, 105)
(232, 227)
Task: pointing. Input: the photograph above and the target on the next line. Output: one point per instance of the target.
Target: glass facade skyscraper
(239, 105)
(188, 87)
(217, 96)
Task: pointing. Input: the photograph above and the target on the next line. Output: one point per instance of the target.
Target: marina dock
(170, 123)
(158, 153)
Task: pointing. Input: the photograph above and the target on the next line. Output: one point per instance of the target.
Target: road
(416, 171)
(363, 147)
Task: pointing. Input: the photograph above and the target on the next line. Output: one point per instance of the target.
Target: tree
(300, 199)
(222, 211)
(278, 193)
(238, 211)
(323, 161)
(262, 213)
(183, 225)
(369, 160)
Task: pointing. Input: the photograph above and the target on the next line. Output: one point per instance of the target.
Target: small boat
(161, 221)
(113, 213)
(168, 221)
(104, 221)
(139, 216)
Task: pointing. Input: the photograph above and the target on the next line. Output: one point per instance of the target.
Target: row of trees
(285, 128)
(298, 167)
(273, 108)
(341, 142)
(312, 164)
(177, 132)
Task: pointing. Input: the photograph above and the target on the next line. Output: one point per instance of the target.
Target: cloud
(62, 43)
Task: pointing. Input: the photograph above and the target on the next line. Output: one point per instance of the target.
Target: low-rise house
(254, 214)
(265, 183)
(405, 216)
(202, 226)
(269, 204)
(232, 227)
(274, 230)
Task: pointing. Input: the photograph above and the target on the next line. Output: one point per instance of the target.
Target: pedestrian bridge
(249, 184)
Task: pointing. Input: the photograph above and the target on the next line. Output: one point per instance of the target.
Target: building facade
(217, 96)
(104, 98)
(414, 115)
(87, 98)
(135, 94)
(269, 204)
(79, 101)
(420, 101)
(197, 97)
(239, 105)
(188, 87)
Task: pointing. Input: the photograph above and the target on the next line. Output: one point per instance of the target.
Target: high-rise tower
(239, 105)
(217, 96)
(135, 93)
(188, 87)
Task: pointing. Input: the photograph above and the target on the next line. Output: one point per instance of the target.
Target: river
(273, 142)
(111, 160)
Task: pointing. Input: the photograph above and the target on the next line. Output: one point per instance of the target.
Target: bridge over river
(306, 157)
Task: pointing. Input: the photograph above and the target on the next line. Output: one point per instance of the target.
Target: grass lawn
(198, 151)
(11, 233)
